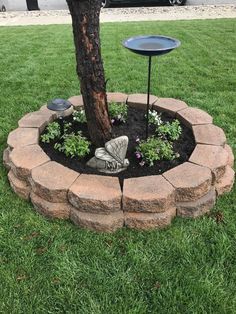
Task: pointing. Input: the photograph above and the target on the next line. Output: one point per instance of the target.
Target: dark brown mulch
(135, 127)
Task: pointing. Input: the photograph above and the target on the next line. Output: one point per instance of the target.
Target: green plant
(67, 127)
(155, 118)
(79, 116)
(118, 112)
(74, 145)
(154, 149)
(52, 132)
(171, 131)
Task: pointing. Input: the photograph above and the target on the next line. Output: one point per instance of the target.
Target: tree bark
(85, 22)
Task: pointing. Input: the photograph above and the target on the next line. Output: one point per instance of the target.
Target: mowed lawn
(54, 267)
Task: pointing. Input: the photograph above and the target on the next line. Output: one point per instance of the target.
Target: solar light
(59, 105)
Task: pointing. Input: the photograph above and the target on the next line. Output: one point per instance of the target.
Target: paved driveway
(14, 5)
(122, 14)
(199, 2)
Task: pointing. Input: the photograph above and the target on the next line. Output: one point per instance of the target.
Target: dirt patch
(135, 127)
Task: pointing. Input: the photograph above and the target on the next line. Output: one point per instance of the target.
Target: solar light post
(59, 106)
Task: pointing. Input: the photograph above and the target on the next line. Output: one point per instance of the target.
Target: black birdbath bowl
(154, 45)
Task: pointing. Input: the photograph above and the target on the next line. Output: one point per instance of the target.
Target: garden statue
(111, 159)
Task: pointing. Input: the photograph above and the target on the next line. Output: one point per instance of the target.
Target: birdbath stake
(152, 45)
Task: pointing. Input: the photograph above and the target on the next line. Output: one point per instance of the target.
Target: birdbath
(150, 46)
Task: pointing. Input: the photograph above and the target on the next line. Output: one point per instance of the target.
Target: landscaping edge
(97, 202)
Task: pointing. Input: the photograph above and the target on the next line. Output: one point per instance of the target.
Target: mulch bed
(135, 127)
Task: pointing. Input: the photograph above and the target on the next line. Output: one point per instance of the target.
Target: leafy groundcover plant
(74, 145)
(160, 146)
(70, 143)
(52, 133)
(118, 113)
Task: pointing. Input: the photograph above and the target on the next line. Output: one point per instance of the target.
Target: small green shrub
(67, 127)
(74, 145)
(154, 118)
(170, 131)
(154, 149)
(118, 112)
(53, 132)
(79, 116)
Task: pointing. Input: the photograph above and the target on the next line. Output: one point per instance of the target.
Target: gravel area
(122, 14)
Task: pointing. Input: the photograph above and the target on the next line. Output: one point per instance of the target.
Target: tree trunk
(85, 21)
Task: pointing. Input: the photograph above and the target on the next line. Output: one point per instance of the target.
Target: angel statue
(111, 159)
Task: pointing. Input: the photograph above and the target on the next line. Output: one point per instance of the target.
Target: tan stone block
(194, 116)
(148, 194)
(169, 105)
(96, 194)
(140, 101)
(213, 157)
(209, 134)
(117, 97)
(226, 183)
(51, 181)
(146, 221)
(197, 208)
(76, 101)
(20, 187)
(47, 111)
(6, 158)
(98, 222)
(24, 159)
(37, 119)
(50, 210)
(231, 155)
(190, 181)
(23, 137)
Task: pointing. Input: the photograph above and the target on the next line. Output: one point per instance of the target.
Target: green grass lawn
(54, 267)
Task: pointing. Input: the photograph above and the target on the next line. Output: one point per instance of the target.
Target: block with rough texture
(6, 158)
(20, 187)
(23, 137)
(226, 183)
(190, 181)
(231, 155)
(197, 208)
(194, 116)
(140, 101)
(209, 134)
(145, 221)
(50, 210)
(94, 193)
(46, 111)
(152, 194)
(169, 105)
(24, 159)
(37, 119)
(76, 101)
(52, 181)
(117, 97)
(98, 222)
(213, 157)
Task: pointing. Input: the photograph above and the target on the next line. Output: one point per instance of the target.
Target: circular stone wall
(97, 202)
